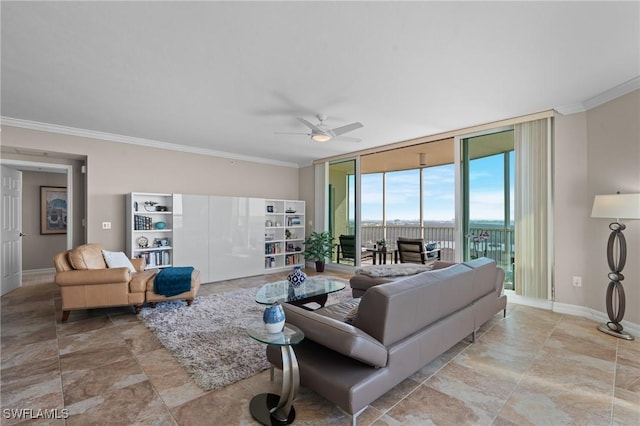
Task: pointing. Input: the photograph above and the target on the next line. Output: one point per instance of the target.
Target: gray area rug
(208, 338)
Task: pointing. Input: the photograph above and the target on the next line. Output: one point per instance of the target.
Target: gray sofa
(355, 352)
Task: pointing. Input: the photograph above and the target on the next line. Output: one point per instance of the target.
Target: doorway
(342, 215)
(26, 240)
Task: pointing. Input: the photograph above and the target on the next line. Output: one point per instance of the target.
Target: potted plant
(382, 245)
(317, 247)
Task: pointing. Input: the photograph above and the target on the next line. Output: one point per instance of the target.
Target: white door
(11, 229)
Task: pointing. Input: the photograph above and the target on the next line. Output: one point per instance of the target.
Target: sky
(403, 190)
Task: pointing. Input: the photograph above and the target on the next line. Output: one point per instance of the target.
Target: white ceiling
(224, 76)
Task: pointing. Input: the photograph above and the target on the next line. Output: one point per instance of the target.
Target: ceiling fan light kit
(322, 133)
(321, 137)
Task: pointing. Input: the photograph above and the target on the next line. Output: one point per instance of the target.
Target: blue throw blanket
(173, 281)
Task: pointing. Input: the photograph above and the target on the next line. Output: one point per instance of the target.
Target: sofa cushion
(339, 311)
(392, 311)
(484, 277)
(117, 259)
(337, 335)
(87, 256)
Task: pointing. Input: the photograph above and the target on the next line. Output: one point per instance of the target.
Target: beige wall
(114, 169)
(37, 249)
(613, 164)
(595, 152)
(307, 193)
(571, 209)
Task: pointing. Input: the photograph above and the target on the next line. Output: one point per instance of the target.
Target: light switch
(106, 225)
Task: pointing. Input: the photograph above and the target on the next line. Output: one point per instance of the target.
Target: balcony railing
(498, 244)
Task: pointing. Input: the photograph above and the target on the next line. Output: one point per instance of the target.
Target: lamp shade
(618, 206)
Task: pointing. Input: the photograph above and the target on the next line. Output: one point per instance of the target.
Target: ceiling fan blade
(348, 128)
(347, 139)
(312, 126)
(292, 133)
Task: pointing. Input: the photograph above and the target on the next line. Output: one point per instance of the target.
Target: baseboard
(528, 301)
(629, 327)
(39, 271)
(568, 309)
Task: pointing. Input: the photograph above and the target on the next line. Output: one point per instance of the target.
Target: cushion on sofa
(392, 311)
(337, 335)
(117, 259)
(87, 256)
(484, 277)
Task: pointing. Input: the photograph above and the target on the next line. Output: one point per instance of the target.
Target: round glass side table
(269, 408)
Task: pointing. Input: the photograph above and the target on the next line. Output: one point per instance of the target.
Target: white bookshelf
(284, 234)
(147, 237)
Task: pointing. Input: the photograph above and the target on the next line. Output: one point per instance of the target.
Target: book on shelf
(142, 223)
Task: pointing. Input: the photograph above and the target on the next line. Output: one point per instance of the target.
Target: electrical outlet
(577, 281)
(106, 225)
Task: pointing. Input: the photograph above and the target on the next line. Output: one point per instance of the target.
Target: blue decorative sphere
(297, 277)
(161, 225)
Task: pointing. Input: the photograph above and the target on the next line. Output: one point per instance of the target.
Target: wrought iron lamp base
(616, 300)
(620, 334)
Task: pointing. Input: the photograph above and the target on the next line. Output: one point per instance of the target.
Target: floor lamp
(618, 206)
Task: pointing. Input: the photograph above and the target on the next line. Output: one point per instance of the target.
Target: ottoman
(152, 298)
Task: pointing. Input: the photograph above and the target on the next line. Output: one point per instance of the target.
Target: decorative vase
(297, 277)
(273, 318)
(161, 225)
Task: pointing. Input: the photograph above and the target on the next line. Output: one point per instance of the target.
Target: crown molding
(602, 98)
(112, 137)
(613, 93)
(571, 108)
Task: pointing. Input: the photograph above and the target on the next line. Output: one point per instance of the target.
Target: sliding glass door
(342, 202)
(487, 199)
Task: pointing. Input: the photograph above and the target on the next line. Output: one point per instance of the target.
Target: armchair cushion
(117, 259)
(430, 248)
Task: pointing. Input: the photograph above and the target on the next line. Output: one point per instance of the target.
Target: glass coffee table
(313, 289)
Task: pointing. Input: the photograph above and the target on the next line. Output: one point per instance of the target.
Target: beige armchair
(86, 282)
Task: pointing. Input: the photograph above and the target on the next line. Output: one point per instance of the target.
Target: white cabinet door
(191, 233)
(236, 237)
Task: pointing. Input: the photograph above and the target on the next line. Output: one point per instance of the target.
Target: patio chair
(347, 249)
(414, 250)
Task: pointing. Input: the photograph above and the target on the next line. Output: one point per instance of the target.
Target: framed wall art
(53, 210)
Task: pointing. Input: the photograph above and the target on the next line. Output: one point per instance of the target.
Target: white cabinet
(236, 237)
(150, 228)
(224, 237)
(191, 232)
(283, 233)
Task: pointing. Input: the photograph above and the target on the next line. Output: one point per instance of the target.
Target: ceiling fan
(322, 133)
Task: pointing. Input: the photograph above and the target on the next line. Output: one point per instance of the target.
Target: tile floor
(104, 367)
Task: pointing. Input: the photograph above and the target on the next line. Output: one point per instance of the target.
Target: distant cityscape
(489, 224)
